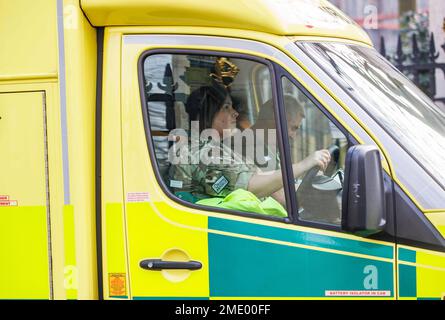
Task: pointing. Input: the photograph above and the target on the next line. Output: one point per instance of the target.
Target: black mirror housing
(363, 209)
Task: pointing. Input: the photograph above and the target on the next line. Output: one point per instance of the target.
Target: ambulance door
(24, 197)
(167, 252)
(181, 246)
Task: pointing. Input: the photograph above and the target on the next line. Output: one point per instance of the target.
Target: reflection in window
(403, 110)
(213, 128)
(319, 190)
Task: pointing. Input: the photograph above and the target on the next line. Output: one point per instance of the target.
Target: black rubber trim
(283, 141)
(86, 17)
(149, 140)
(98, 164)
(413, 227)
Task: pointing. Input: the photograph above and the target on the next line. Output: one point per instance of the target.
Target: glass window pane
(401, 108)
(213, 130)
(318, 150)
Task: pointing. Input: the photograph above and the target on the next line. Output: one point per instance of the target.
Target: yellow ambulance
(99, 97)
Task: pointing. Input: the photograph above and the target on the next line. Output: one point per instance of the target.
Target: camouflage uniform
(212, 169)
(262, 154)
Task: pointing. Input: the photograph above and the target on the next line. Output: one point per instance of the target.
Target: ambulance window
(310, 131)
(212, 124)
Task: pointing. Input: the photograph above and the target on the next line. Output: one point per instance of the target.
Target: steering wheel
(334, 151)
(318, 205)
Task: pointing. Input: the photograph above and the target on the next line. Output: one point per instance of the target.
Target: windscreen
(404, 111)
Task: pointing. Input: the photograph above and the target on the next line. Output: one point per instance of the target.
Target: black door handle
(158, 264)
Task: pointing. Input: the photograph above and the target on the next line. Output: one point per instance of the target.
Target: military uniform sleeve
(222, 172)
(243, 179)
(182, 174)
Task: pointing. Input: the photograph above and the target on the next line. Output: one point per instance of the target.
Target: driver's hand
(321, 158)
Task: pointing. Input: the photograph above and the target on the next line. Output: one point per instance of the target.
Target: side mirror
(363, 209)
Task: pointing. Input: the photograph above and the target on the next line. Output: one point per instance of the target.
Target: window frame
(150, 143)
(280, 74)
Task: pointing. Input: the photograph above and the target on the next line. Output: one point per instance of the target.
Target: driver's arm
(264, 185)
(320, 158)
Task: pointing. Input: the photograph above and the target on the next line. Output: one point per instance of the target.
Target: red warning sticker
(5, 202)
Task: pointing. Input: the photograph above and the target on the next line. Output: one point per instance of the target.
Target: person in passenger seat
(264, 152)
(214, 169)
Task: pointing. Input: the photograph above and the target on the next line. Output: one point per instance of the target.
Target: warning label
(117, 284)
(359, 293)
(137, 197)
(5, 202)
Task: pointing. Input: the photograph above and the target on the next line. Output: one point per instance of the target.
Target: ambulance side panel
(28, 78)
(47, 126)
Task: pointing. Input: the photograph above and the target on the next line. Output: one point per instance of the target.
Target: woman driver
(214, 169)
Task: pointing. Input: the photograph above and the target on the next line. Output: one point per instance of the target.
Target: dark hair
(204, 103)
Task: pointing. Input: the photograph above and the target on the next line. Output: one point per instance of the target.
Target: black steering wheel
(318, 205)
(334, 151)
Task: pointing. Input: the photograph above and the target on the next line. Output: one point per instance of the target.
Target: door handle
(158, 264)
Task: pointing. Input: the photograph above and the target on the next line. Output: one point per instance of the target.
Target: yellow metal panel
(430, 275)
(114, 251)
(152, 237)
(282, 17)
(22, 160)
(56, 188)
(438, 220)
(112, 184)
(54, 175)
(80, 56)
(24, 269)
(28, 30)
(70, 270)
